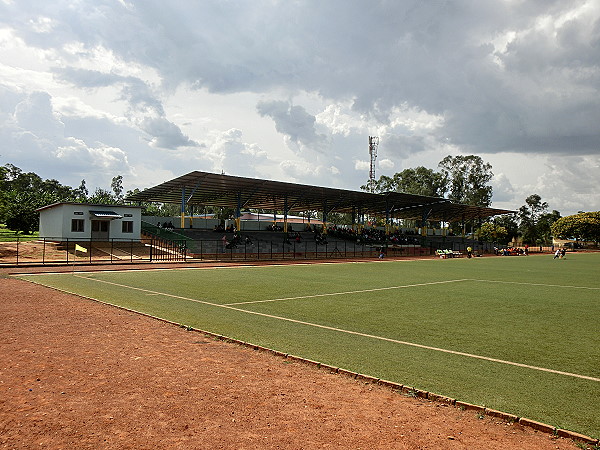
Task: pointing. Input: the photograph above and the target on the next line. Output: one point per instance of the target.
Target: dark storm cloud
(536, 94)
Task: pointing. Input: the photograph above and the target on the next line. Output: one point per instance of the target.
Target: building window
(127, 226)
(77, 225)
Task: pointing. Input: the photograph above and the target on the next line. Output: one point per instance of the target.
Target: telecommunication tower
(373, 144)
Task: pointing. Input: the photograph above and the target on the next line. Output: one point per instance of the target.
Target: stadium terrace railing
(156, 249)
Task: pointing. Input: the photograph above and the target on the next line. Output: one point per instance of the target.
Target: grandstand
(197, 190)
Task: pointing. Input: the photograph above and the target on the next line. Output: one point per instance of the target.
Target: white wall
(55, 221)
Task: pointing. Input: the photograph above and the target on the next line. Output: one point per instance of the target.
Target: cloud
(485, 67)
(572, 175)
(503, 190)
(75, 154)
(496, 79)
(165, 134)
(295, 123)
(145, 109)
(36, 115)
(35, 135)
(386, 164)
(228, 152)
(362, 165)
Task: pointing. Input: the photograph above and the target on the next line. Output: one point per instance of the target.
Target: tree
(509, 223)
(20, 211)
(117, 187)
(583, 226)
(102, 197)
(492, 232)
(22, 193)
(82, 192)
(535, 222)
(464, 178)
(544, 226)
(418, 181)
(467, 179)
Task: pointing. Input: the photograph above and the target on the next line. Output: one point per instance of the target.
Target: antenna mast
(373, 144)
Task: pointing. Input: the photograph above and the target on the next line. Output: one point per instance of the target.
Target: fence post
(151, 247)
(90, 252)
(44, 252)
(130, 253)
(17, 250)
(67, 250)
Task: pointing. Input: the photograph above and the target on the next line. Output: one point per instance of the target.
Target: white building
(83, 222)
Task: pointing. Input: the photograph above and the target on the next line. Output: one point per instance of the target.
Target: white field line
(536, 284)
(346, 292)
(355, 333)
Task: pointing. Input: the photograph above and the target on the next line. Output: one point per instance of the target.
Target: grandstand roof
(210, 189)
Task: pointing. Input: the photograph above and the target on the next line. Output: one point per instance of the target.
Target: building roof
(210, 189)
(86, 205)
(105, 214)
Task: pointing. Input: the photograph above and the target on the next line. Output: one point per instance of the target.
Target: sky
(291, 90)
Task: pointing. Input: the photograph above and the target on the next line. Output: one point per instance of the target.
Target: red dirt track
(81, 374)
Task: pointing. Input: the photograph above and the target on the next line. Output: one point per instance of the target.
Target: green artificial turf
(528, 310)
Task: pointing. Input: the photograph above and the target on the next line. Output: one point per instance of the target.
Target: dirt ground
(80, 374)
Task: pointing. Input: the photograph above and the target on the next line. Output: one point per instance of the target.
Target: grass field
(7, 235)
(517, 334)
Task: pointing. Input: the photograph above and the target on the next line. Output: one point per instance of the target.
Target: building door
(100, 230)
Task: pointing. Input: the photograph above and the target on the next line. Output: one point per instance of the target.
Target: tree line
(461, 179)
(21, 193)
(465, 180)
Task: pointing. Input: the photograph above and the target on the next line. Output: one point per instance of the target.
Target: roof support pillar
(387, 218)
(424, 216)
(285, 213)
(325, 216)
(183, 201)
(238, 211)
